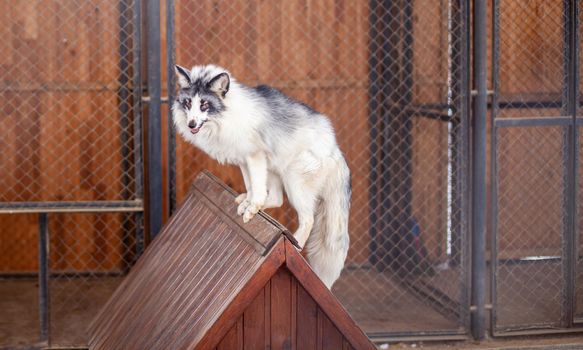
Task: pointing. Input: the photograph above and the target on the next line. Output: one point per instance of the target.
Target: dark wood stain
(307, 321)
(254, 324)
(309, 329)
(281, 310)
(331, 337)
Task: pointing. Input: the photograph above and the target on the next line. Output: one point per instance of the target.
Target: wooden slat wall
(59, 145)
(60, 128)
(284, 310)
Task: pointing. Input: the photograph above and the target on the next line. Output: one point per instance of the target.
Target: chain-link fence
(535, 170)
(70, 164)
(393, 76)
(389, 76)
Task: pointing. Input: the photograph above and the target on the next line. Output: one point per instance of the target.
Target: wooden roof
(197, 277)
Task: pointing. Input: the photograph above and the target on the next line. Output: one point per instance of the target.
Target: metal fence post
(569, 102)
(171, 59)
(373, 118)
(43, 276)
(137, 121)
(495, 42)
(479, 171)
(154, 133)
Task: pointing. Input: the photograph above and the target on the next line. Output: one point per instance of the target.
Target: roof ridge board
(214, 180)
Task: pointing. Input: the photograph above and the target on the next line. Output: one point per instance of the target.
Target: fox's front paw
(240, 198)
(243, 206)
(250, 212)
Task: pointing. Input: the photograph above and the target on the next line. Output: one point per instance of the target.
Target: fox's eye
(204, 105)
(186, 103)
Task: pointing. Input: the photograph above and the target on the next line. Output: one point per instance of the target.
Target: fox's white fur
(279, 144)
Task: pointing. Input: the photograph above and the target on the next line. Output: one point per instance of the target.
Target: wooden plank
(281, 310)
(223, 199)
(325, 299)
(346, 345)
(207, 297)
(531, 47)
(331, 337)
(267, 314)
(156, 251)
(294, 33)
(233, 340)
(112, 313)
(217, 288)
(254, 323)
(293, 301)
(530, 159)
(307, 320)
(17, 231)
(429, 200)
(229, 341)
(6, 44)
(430, 56)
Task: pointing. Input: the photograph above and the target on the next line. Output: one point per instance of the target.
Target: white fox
(279, 143)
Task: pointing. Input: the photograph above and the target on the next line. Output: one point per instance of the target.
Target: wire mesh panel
(88, 256)
(529, 273)
(535, 171)
(389, 75)
(578, 313)
(65, 101)
(18, 294)
(69, 142)
(531, 57)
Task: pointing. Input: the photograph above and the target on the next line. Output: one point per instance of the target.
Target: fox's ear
(220, 84)
(183, 76)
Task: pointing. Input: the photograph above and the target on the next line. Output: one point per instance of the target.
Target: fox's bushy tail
(328, 242)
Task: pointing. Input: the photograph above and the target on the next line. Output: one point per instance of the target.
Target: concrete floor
(380, 304)
(384, 305)
(74, 302)
(554, 342)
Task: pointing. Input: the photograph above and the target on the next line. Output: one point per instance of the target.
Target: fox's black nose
(191, 124)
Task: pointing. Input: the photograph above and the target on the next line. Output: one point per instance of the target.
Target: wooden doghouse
(208, 281)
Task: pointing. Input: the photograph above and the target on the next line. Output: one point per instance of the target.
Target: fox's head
(200, 97)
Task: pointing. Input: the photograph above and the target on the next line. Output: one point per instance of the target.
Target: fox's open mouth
(196, 130)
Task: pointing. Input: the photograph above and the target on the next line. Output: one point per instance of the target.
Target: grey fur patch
(184, 73)
(285, 112)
